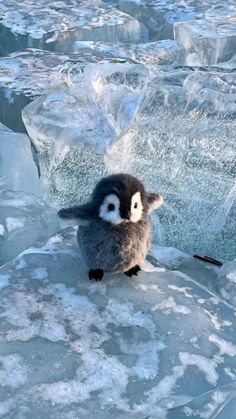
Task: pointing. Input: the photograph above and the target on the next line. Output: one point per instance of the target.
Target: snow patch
(2, 230)
(4, 281)
(39, 273)
(13, 373)
(169, 305)
(13, 223)
(170, 257)
(205, 365)
(225, 347)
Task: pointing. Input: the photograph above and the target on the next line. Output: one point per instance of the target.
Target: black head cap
(122, 185)
(119, 184)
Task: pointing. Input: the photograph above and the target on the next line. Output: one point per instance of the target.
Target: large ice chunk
(208, 41)
(121, 348)
(24, 219)
(72, 126)
(160, 16)
(51, 25)
(26, 75)
(18, 170)
(183, 142)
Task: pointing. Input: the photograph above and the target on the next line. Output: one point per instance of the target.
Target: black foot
(96, 274)
(133, 271)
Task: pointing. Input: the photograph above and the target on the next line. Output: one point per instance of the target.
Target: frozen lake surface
(94, 87)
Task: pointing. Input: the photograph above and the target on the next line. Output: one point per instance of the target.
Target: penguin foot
(96, 274)
(133, 271)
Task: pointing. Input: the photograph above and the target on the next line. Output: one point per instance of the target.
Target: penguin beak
(126, 216)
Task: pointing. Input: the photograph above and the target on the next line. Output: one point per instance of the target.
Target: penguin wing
(154, 201)
(79, 212)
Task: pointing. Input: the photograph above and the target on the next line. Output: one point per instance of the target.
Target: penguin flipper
(154, 200)
(80, 212)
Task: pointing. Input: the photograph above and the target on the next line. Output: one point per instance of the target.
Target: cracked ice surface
(24, 219)
(51, 25)
(112, 349)
(208, 41)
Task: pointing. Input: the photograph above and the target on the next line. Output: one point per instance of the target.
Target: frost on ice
(110, 348)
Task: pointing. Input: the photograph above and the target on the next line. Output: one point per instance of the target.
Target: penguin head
(120, 199)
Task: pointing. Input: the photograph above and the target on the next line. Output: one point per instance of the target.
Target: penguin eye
(111, 207)
(135, 205)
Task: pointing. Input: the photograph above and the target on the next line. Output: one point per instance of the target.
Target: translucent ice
(152, 54)
(18, 171)
(183, 143)
(73, 125)
(121, 348)
(177, 133)
(208, 41)
(51, 25)
(227, 282)
(26, 75)
(160, 16)
(24, 219)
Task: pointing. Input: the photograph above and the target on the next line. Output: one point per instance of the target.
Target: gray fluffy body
(114, 248)
(119, 245)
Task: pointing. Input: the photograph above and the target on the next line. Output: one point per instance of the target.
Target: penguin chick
(117, 236)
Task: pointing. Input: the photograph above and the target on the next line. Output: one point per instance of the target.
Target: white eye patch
(110, 209)
(136, 209)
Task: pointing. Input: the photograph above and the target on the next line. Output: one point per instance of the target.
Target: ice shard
(72, 126)
(26, 75)
(18, 171)
(121, 348)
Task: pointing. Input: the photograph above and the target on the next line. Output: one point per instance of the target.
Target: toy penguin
(117, 235)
